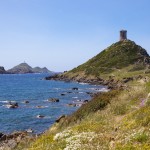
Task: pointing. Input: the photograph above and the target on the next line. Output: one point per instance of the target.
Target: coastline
(11, 140)
(111, 83)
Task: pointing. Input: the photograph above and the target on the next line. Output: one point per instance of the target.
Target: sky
(62, 34)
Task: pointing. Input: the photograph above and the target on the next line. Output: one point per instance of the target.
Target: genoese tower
(123, 35)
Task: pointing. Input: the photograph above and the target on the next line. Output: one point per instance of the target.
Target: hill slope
(115, 120)
(20, 69)
(118, 56)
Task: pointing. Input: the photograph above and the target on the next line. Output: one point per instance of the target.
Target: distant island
(24, 68)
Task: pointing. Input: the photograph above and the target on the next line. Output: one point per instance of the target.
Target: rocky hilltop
(25, 68)
(116, 57)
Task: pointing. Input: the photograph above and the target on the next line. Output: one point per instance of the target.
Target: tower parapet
(123, 35)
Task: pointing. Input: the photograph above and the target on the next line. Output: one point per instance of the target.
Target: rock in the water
(71, 105)
(40, 106)
(12, 105)
(40, 116)
(53, 100)
(26, 102)
(89, 93)
(75, 88)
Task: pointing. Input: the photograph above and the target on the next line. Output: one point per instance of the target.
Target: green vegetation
(115, 120)
(123, 54)
(121, 123)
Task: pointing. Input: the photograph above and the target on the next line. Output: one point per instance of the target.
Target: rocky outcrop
(10, 141)
(2, 70)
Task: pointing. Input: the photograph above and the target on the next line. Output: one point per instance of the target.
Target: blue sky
(62, 34)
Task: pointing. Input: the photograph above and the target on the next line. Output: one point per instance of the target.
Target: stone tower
(123, 35)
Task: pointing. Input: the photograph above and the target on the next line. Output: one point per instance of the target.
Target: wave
(74, 97)
(7, 101)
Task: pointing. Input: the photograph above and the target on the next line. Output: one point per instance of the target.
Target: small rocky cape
(111, 83)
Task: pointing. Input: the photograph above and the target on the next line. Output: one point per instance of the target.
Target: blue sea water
(31, 87)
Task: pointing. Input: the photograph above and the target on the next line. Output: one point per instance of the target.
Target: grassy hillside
(115, 120)
(123, 54)
(121, 124)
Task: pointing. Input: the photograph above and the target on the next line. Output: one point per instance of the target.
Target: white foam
(74, 97)
(7, 101)
(83, 83)
(103, 90)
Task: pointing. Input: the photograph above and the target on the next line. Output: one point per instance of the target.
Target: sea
(33, 88)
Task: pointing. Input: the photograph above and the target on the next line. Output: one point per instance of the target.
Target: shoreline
(11, 140)
(111, 83)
